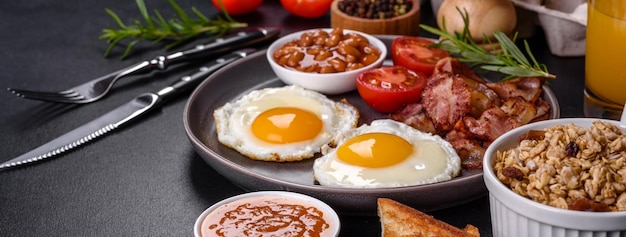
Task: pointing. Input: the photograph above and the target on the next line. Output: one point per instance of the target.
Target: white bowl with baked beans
(268, 213)
(550, 182)
(325, 60)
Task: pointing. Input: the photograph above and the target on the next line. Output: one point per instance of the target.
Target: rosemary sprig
(511, 61)
(176, 31)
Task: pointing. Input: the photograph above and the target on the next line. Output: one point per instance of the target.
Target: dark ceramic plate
(254, 73)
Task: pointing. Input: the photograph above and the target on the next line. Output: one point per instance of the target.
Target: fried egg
(386, 153)
(282, 124)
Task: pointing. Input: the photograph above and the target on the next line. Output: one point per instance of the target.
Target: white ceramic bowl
(290, 197)
(329, 83)
(514, 216)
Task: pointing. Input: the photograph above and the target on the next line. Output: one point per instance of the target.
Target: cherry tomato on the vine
(413, 53)
(388, 89)
(238, 7)
(307, 8)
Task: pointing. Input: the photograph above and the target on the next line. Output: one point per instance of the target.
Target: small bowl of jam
(268, 213)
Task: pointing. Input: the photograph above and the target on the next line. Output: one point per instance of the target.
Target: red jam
(266, 216)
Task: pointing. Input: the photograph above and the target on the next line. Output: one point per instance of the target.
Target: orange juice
(605, 67)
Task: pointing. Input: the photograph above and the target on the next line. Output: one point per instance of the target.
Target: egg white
(418, 169)
(233, 122)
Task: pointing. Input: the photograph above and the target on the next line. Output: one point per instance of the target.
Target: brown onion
(485, 17)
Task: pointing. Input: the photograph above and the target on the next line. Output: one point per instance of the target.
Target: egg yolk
(375, 150)
(286, 125)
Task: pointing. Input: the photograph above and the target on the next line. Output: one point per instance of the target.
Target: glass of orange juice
(605, 67)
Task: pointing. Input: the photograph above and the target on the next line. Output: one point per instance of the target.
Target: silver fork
(100, 87)
(84, 93)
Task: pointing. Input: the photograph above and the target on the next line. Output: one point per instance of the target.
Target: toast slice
(397, 219)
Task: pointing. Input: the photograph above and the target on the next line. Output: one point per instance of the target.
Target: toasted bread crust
(400, 220)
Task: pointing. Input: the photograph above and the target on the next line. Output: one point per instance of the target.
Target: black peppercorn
(375, 9)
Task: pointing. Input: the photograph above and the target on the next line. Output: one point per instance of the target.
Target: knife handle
(190, 81)
(216, 47)
(222, 45)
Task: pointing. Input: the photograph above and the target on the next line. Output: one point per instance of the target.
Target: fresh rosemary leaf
(200, 15)
(450, 48)
(176, 31)
(183, 16)
(512, 71)
(481, 58)
(144, 12)
(543, 67)
(511, 48)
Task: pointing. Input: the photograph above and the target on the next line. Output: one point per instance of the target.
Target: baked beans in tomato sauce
(266, 216)
(320, 51)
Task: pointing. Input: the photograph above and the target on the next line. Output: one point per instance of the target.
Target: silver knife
(121, 115)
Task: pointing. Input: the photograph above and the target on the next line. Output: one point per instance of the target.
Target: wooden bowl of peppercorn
(382, 17)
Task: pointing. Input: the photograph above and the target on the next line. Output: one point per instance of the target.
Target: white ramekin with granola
(561, 176)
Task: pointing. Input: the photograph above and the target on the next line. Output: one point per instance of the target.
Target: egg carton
(563, 21)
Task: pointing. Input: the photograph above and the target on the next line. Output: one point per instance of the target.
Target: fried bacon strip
(454, 66)
(528, 88)
(469, 112)
(446, 99)
(414, 116)
(491, 124)
(469, 149)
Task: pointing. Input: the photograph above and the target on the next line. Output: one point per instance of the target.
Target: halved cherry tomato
(307, 8)
(388, 89)
(413, 53)
(238, 7)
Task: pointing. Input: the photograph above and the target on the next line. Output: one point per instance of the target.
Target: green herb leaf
(176, 31)
(480, 58)
(509, 47)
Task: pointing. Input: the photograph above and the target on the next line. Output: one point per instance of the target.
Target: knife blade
(122, 115)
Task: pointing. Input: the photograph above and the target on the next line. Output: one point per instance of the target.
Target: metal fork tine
(39, 94)
(66, 92)
(57, 100)
(63, 94)
(47, 96)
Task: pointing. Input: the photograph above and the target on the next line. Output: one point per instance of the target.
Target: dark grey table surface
(145, 179)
